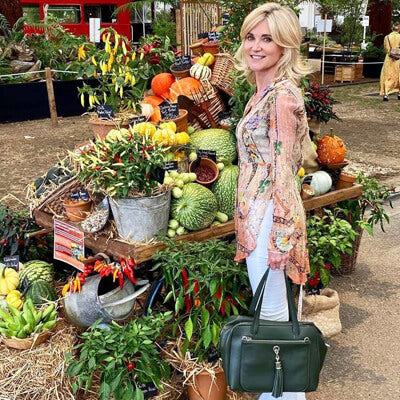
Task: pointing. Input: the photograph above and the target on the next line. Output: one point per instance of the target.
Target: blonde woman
(270, 218)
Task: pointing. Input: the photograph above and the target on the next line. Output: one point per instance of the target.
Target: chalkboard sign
(170, 166)
(169, 110)
(12, 262)
(211, 154)
(105, 112)
(183, 62)
(137, 120)
(313, 291)
(203, 35)
(148, 389)
(213, 36)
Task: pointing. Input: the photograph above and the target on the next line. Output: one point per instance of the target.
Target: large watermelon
(219, 140)
(225, 190)
(196, 208)
(36, 270)
(41, 292)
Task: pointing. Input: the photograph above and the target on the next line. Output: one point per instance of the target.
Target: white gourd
(200, 72)
(321, 182)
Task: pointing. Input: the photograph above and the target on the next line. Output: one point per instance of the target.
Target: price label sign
(137, 120)
(313, 291)
(170, 166)
(104, 111)
(169, 110)
(12, 262)
(211, 154)
(148, 389)
(213, 36)
(203, 35)
(183, 62)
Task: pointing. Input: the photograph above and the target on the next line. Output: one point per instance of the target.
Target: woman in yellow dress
(390, 69)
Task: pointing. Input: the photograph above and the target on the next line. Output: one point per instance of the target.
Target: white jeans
(274, 305)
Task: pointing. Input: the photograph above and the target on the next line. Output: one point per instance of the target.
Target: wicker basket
(222, 76)
(53, 204)
(348, 261)
(27, 343)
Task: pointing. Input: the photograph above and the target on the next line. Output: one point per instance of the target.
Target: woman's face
(261, 52)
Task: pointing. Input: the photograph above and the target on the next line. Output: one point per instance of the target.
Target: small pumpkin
(145, 128)
(184, 86)
(161, 83)
(331, 149)
(14, 298)
(9, 279)
(320, 181)
(200, 72)
(182, 138)
(206, 59)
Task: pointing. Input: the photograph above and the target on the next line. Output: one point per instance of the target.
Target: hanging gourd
(161, 83)
(331, 149)
(9, 279)
(200, 72)
(320, 181)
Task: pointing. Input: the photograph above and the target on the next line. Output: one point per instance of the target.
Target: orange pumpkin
(154, 101)
(161, 83)
(184, 87)
(331, 149)
(156, 116)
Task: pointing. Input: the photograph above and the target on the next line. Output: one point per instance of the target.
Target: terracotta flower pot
(307, 191)
(205, 388)
(206, 163)
(77, 211)
(211, 47)
(180, 74)
(181, 121)
(101, 127)
(346, 180)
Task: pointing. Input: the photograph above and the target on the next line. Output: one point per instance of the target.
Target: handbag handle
(256, 303)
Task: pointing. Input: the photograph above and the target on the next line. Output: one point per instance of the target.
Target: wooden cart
(143, 252)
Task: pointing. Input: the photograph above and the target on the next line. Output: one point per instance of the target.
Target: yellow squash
(14, 299)
(9, 280)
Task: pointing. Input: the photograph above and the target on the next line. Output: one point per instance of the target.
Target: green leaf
(92, 362)
(207, 337)
(215, 333)
(138, 395)
(104, 391)
(189, 328)
(325, 276)
(205, 316)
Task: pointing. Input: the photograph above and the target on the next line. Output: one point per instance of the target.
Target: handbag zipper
(248, 339)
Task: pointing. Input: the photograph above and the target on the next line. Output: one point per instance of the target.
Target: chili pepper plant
(206, 287)
(124, 356)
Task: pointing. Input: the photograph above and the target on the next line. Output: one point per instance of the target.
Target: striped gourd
(200, 72)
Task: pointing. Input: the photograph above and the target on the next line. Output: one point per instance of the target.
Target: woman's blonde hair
(285, 32)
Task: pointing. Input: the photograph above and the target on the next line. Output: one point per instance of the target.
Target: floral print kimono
(389, 82)
(269, 138)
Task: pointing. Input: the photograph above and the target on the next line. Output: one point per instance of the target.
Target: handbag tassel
(277, 388)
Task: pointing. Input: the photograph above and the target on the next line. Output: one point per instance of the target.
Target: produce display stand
(143, 252)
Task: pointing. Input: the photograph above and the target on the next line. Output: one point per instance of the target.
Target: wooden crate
(348, 73)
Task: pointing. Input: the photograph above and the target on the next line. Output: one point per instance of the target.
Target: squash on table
(331, 149)
(161, 83)
(9, 279)
(320, 181)
(185, 87)
(14, 298)
(200, 72)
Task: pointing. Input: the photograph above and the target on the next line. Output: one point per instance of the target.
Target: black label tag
(105, 111)
(202, 35)
(170, 166)
(148, 389)
(12, 262)
(169, 110)
(211, 154)
(183, 61)
(137, 120)
(313, 291)
(213, 36)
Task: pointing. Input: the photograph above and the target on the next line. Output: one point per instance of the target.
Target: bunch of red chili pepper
(124, 268)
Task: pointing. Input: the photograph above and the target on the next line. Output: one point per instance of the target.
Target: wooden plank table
(143, 252)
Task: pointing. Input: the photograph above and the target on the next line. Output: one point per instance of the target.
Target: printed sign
(320, 25)
(213, 36)
(211, 154)
(183, 62)
(148, 389)
(169, 110)
(137, 120)
(12, 262)
(104, 111)
(69, 244)
(365, 20)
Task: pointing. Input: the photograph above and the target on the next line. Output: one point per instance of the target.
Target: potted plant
(128, 170)
(372, 54)
(123, 357)
(205, 286)
(120, 84)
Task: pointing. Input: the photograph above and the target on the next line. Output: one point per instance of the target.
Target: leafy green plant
(164, 26)
(206, 287)
(373, 52)
(328, 237)
(124, 356)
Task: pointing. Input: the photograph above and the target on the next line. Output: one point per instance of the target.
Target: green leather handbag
(271, 356)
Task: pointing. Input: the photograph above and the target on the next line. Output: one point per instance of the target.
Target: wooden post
(178, 21)
(323, 52)
(52, 99)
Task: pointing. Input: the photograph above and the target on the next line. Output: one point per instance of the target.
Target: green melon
(196, 208)
(224, 190)
(36, 270)
(41, 292)
(219, 140)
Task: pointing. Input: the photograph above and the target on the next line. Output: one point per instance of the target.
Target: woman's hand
(278, 260)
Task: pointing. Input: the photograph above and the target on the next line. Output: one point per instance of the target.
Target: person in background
(270, 220)
(389, 82)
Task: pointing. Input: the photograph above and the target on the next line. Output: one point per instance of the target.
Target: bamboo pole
(323, 52)
(51, 97)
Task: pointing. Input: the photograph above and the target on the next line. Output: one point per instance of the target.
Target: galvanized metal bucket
(95, 301)
(140, 219)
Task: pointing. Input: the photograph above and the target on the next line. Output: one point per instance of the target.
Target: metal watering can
(99, 298)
